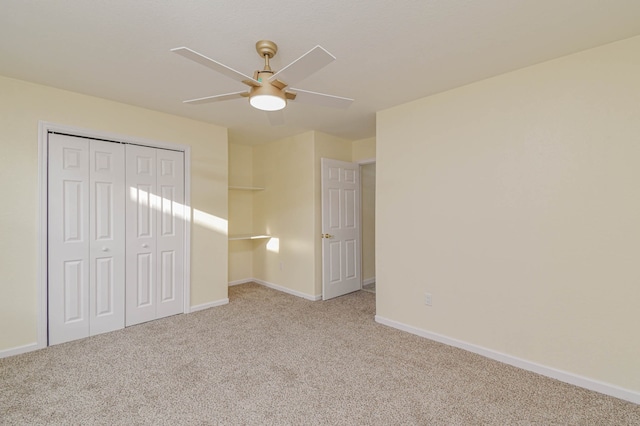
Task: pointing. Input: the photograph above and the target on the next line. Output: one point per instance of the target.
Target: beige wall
(515, 201)
(363, 149)
(22, 105)
(240, 212)
(285, 210)
(289, 209)
(368, 196)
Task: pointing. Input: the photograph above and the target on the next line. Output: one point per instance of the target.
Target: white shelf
(248, 237)
(246, 188)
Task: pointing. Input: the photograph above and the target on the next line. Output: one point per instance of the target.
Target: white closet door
(142, 205)
(68, 242)
(155, 233)
(107, 234)
(170, 232)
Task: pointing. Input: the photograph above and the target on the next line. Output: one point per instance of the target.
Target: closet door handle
(145, 245)
(105, 249)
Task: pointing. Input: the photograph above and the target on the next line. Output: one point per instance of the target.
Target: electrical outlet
(427, 299)
(281, 266)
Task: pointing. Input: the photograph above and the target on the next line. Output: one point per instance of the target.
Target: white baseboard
(19, 350)
(287, 290)
(563, 376)
(34, 346)
(243, 281)
(369, 281)
(209, 305)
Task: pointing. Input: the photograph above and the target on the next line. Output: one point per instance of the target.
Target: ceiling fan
(267, 89)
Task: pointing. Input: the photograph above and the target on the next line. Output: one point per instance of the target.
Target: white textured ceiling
(387, 52)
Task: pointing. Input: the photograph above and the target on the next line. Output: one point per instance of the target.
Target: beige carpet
(268, 358)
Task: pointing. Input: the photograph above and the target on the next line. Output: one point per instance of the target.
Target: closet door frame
(44, 128)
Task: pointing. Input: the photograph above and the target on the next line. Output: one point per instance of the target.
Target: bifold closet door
(155, 233)
(86, 246)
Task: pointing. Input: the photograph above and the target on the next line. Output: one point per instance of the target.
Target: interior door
(341, 251)
(86, 237)
(141, 231)
(170, 232)
(155, 233)
(68, 239)
(107, 236)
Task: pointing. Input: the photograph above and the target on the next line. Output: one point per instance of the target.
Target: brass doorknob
(327, 236)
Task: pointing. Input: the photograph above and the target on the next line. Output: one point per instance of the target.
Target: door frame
(361, 163)
(44, 128)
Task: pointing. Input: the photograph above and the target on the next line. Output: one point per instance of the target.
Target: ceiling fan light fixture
(267, 97)
(267, 102)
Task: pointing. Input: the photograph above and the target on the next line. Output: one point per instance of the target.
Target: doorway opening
(368, 212)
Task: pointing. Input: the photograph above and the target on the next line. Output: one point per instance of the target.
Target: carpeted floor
(269, 358)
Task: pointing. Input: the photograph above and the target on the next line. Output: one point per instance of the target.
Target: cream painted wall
(325, 146)
(240, 212)
(289, 209)
(368, 196)
(363, 149)
(515, 201)
(22, 105)
(285, 210)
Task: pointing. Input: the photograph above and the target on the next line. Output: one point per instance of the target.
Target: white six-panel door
(107, 237)
(155, 248)
(170, 231)
(86, 237)
(340, 228)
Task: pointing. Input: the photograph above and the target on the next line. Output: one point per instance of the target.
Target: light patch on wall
(158, 203)
(210, 221)
(201, 218)
(274, 245)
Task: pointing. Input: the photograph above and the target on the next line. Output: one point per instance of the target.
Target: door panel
(144, 281)
(68, 240)
(167, 287)
(105, 288)
(350, 208)
(73, 210)
(107, 248)
(74, 293)
(170, 230)
(340, 228)
(351, 256)
(140, 230)
(335, 256)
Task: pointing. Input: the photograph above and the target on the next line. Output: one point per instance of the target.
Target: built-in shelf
(248, 237)
(246, 188)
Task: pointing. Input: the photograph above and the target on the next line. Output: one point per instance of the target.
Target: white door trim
(366, 161)
(44, 128)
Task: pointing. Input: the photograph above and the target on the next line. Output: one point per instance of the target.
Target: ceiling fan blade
(307, 97)
(276, 118)
(216, 66)
(304, 66)
(217, 98)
